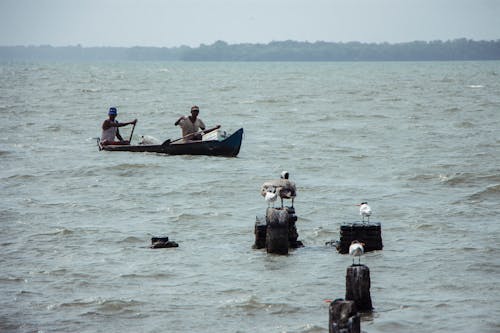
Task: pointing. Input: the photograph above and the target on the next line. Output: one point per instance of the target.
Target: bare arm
(108, 124)
(118, 135)
(178, 121)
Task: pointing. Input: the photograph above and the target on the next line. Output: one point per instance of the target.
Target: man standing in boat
(110, 129)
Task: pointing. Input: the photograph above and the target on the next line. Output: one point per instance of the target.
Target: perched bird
(284, 187)
(271, 196)
(365, 211)
(356, 250)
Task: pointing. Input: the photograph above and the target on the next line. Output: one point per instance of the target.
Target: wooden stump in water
(293, 235)
(282, 219)
(159, 239)
(357, 287)
(369, 233)
(260, 232)
(277, 231)
(162, 242)
(344, 317)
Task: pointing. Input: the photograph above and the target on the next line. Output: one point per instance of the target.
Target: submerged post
(343, 317)
(358, 287)
(162, 242)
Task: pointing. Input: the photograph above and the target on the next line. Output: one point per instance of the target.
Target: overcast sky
(193, 22)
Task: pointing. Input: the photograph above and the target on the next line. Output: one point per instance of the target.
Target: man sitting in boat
(110, 129)
(191, 125)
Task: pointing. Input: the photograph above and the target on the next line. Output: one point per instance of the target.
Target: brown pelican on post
(284, 187)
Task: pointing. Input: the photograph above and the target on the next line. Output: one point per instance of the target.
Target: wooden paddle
(131, 133)
(191, 134)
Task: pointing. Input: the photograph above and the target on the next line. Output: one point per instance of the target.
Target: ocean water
(418, 140)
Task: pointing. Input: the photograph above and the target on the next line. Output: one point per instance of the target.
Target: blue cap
(112, 112)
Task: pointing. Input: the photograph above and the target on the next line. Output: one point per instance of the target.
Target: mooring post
(369, 233)
(277, 231)
(260, 231)
(357, 287)
(343, 317)
(293, 235)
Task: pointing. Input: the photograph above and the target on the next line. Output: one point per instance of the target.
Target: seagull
(356, 250)
(365, 211)
(271, 196)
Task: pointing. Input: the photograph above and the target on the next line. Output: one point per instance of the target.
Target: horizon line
(254, 43)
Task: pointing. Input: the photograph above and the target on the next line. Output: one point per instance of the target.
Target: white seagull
(271, 196)
(356, 250)
(365, 211)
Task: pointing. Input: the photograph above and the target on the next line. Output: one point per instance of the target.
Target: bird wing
(284, 187)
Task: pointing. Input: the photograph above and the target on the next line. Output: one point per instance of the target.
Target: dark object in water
(159, 239)
(344, 317)
(162, 242)
(357, 287)
(368, 233)
(277, 231)
(229, 147)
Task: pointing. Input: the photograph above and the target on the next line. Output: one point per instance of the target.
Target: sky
(170, 23)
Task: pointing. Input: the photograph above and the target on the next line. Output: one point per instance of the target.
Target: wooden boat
(228, 147)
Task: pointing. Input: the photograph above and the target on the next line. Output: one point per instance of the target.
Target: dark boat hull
(229, 147)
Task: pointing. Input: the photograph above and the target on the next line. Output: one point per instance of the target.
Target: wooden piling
(369, 233)
(276, 219)
(358, 287)
(277, 231)
(343, 317)
(293, 235)
(162, 242)
(260, 231)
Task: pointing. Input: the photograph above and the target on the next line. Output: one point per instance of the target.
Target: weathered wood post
(260, 231)
(369, 233)
(162, 242)
(344, 317)
(357, 287)
(279, 217)
(293, 235)
(277, 231)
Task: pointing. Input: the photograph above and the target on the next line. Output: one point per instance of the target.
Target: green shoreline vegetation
(451, 50)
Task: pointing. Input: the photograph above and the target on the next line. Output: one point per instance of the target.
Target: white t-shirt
(189, 127)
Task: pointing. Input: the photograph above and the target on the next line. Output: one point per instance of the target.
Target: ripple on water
(253, 306)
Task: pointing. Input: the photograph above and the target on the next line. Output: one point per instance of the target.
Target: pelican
(284, 187)
(365, 211)
(271, 196)
(356, 250)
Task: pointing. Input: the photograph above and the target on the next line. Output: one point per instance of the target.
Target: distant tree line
(458, 49)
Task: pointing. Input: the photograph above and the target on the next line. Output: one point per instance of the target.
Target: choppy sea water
(418, 141)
